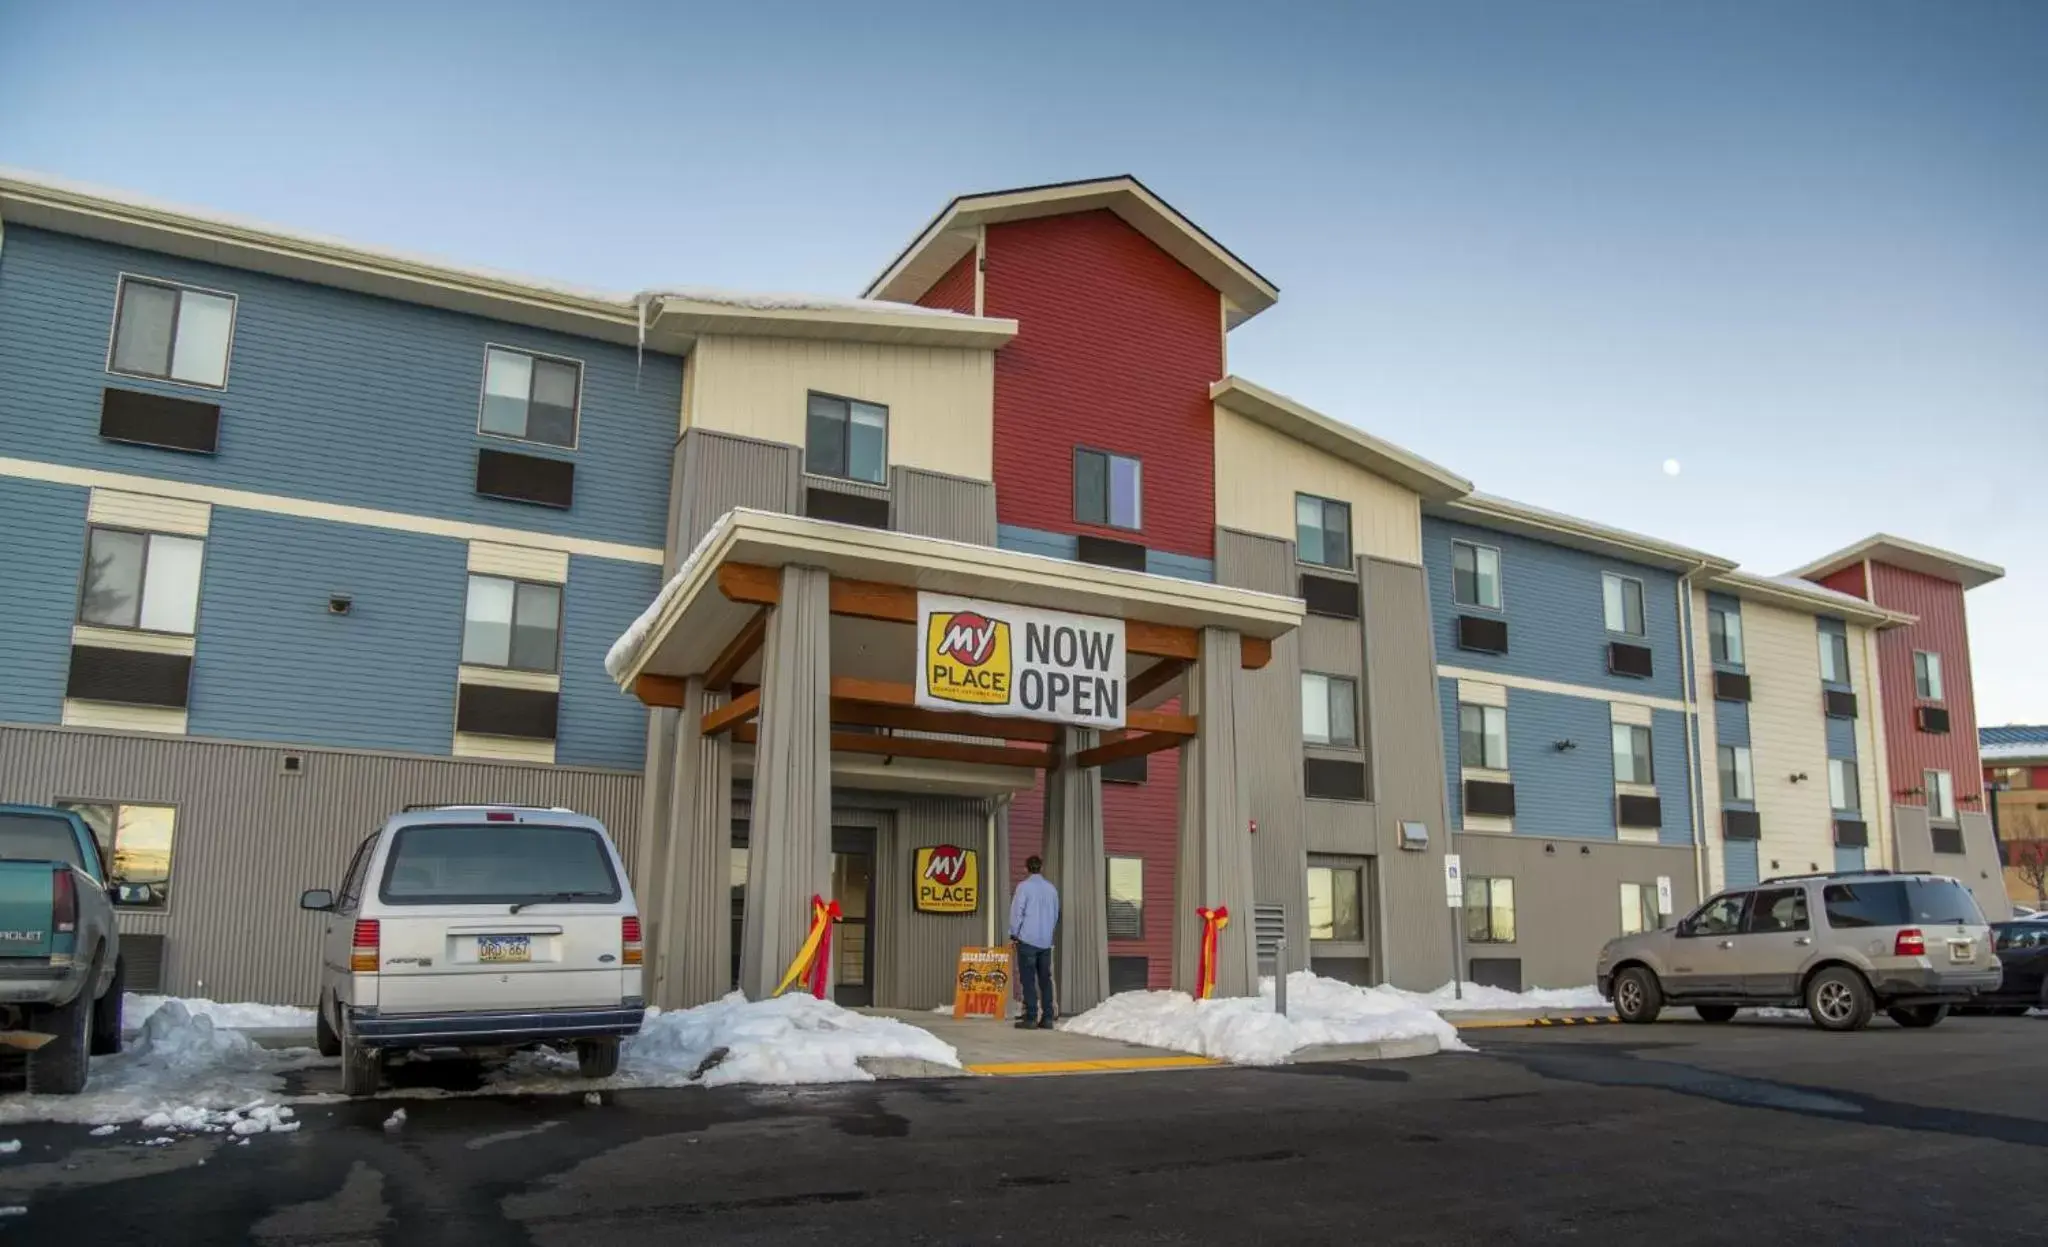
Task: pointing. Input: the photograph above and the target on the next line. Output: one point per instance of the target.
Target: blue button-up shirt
(1035, 911)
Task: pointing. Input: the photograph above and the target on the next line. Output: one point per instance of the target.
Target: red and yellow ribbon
(816, 953)
(1213, 922)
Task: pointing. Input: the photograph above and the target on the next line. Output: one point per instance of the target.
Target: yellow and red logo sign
(948, 880)
(967, 658)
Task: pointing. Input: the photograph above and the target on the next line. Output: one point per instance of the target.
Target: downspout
(1692, 741)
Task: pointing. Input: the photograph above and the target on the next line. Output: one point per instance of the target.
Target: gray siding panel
(249, 838)
(716, 472)
(917, 953)
(1978, 867)
(936, 505)
(1567, 903)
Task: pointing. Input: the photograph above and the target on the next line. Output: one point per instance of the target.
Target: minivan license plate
(504, 948)
(1959, 950)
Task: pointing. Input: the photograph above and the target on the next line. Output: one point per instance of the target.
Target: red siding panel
(955, 291)
(1116, 347)
(1850, 581)
(1943, 630)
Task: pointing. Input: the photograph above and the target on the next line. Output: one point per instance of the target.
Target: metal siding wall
(1841, 734)
(599, 725)
(937, 505)
(40, 563)
(1731, 722)
(923, 949)
(331, 395)
(249, 839)
(1977, 867)
(1567, 904)
(1787, 737)
(1454, 743)
(717, 472)
(1943, 629)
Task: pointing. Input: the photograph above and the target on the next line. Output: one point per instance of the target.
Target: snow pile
(1443, 999)
(1246, 1031)
(254, 1118)
(137, 1009)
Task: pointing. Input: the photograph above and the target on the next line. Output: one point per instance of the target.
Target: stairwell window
(847, 438)
(1941, 795)
(1329, 709)
(1489, 910)
(1126, 901)
(1475, 575)
(145, 581)
(1632, 755)
(1483, 737)
(1926, 675)
(1737, 781)
(135, 843)
(1843, 791)
(1639, 908)
(530, 398)
(1622, 598)
(1336, 903)
(515, 624)
(172, 333)
(1322, 531)
(1108, 489)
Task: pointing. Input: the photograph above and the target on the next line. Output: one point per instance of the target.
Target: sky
(1802, 249)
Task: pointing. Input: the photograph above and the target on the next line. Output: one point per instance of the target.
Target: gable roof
(952, 234)
(1794, 593)
(1523, 520)
(1911, 555)
(1333, 437)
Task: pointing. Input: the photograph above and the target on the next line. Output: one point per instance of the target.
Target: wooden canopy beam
(744, 645)
(731, 714)
(1152, 679)
(663, 691)
(1128, 745)
(919, 747)
(917, 719)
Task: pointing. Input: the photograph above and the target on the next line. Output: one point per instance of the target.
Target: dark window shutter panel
(846, 508)
(1731, 686)
(161, 421)
(130, 677)
(1108, 552)
(1840, 705)
(1502, 972)
(1932, 719)
(1626, 659)
(1946, 839)
(1631, 810)
(1126, 770)
(1482, 635)
(1329, 595)
(1333, 779)
(492, 711)
(525, 478)
(1741, 825)
(1129, 974)
(1490, 798)
(1852, 833)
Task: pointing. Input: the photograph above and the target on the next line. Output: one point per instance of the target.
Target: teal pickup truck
(60, 953)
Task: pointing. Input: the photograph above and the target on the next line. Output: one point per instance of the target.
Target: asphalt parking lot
(1677, 1133)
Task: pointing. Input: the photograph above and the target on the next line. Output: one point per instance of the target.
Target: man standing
(1034, 912)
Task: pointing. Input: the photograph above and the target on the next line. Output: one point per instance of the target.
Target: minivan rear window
(495, 864)
(38, 838)
(1900, 903)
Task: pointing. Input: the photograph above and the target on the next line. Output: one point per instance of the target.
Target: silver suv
(1841, 946)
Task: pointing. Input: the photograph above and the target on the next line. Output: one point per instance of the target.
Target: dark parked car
(2022, 948)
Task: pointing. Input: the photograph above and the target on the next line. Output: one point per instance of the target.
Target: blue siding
(1731, 722)
(274, 664)
(1447, 702)
(40, 560)
(1568, 793)
(1842, 738)
(1067, 546)
(1674, 780)
(1182, 566)
(332, 396)
(1738, 863)
(600, 726)
(1848, 857)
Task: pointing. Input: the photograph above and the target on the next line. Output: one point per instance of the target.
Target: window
(1737, 782)
(1336, 908)
(512, 623)
(148, 581)
(1778, 910)
(1926, 675)
(1639, 908)
(171, 333)
(352, 882)
(1329, 709)
(1126, 878)
(1489, 910)
(1475, 575)
(1483, 737)
(1941, 794)
(1844, 793)
(1720, 916)
(847, 439)
(1322, 531)
(1623, 598)
(135, 842)
(1834, 656)
(1108, 489)
(1724, 635)
(1632, 755)
(496, 864)
(1899, 902)
(530, 397)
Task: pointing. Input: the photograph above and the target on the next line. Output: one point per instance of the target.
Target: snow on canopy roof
(2014, 751)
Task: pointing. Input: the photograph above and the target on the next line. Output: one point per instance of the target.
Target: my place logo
(947, 865)
(967, 658)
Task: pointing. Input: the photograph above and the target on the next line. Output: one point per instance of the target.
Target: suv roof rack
(484, 805)
(1840, 874)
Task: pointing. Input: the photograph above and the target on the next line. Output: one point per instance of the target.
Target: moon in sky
(1671, 467)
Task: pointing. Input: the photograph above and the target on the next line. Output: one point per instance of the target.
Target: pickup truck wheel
(324, 1037)
(597, 1058)
(1638, 997)
(362, 1068)
(1917, 1017)
(59, 1066)
(1837, 999)
(106, 1016)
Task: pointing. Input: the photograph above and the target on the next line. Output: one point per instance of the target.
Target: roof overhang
(1333, 437)
(953, 234)
(1799, 595)
(1575, 533)
(679, 320)
(2014, 751)
(1910, 555)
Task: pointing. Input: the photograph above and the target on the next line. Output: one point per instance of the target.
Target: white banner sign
(1019, 662)
(1454, 880)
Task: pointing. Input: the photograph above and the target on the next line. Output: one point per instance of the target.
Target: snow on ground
(1246, 1031)
(1443, 999)
(137, 1009)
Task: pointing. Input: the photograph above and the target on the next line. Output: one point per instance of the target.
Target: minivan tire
(324, 1039)
(1837, 999)
(106, 1016)
(60, 1066)
(1715, 1013)
(1638, 997)
(1917, 1017)
(597, 1058)
(362, 1068)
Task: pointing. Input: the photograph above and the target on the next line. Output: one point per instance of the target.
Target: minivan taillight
(63, 901)
(629, 940)
(363, 953)
(1910, 943)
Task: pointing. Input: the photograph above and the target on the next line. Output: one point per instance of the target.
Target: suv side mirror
(318, 899)
(1687, 927)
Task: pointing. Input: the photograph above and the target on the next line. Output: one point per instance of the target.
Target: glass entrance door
(853, 886)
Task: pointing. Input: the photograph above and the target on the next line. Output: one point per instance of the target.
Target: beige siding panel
(250, 838)
(129, 638)
(1787, 737)
(1629, 713)
(1710, 759)
(1976, 867)
(503, 748)
(1332, 646)
(1870, 770)
(1479, 693)
(1568, 904)
(933, 504)
(940, 399)
(504, 677)
(121, 718)
(519, 562)
(151, 514)
(1258, 472)
(715, 472)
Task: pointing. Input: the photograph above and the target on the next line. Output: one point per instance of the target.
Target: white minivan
(479, 928)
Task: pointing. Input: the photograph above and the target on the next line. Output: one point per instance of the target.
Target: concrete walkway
(1000, 1049)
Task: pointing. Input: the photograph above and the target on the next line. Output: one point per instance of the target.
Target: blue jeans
(1034, 970)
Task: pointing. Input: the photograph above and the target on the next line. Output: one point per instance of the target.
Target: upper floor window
(1844, 792)
(1322, 531)
(1108, 489)
(1941, 795)
(512, 623)
(135, 845)
(1738, 783)
(530, 397)
(1834, 656)
(848, 439)
(1623, 598)
(1632, 755)
(148, 581)
(1926, 675)
(172, 333)
(1724, 635)
(1475, 575)
(1483, 737)
(1329, 709)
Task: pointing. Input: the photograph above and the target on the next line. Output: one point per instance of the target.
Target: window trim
(1358, 870)
(561, 610)
(483, 392)
(1928, 793)
(888, 429)
(1500, 579)
(1482, 765)
(107, 858)
(1827, 639)
(1642, 603)
(1327, 677)
(1650, 753)
(1351, 564)
(1854, 791)
(1108, 482)
(121, 280)
(148, 535)
(1930, 669)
